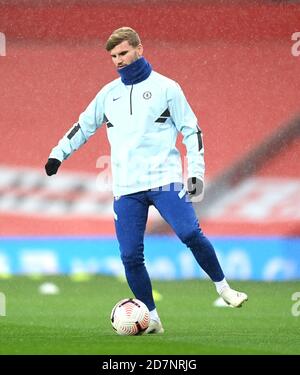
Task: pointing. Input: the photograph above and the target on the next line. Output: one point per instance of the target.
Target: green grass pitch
(76, 321)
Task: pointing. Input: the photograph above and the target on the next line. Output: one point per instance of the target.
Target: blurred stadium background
(234, 62)
(239, 68)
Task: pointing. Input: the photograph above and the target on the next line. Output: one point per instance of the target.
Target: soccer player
(144, 111)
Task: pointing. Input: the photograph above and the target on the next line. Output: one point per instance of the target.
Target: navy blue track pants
(172, 202)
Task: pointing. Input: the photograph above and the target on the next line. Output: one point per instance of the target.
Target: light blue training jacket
(143, 121)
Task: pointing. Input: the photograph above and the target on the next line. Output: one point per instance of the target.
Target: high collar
(135, 72)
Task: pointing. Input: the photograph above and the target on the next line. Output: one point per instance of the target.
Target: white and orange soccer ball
(130, 316)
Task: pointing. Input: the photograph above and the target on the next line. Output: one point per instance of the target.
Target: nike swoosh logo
(116, 98)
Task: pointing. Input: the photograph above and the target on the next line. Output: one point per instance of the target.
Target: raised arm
(89, 121)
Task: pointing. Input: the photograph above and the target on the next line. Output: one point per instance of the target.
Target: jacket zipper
(131, 99)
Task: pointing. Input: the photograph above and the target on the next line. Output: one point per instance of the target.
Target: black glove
(194, 186)
(52, 166)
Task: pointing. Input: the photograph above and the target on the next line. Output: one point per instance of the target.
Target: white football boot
(233, 297)
(155, 326)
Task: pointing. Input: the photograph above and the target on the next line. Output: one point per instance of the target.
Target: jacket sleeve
(89, 121)
(186, 122)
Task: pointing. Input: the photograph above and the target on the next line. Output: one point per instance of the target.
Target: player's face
(124, 54)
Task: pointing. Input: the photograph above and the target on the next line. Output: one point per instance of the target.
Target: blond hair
(122, 34)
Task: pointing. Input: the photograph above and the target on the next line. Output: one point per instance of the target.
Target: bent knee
(131, 258)
(190, 236)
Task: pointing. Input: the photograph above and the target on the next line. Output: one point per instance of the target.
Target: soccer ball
(130, 316)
